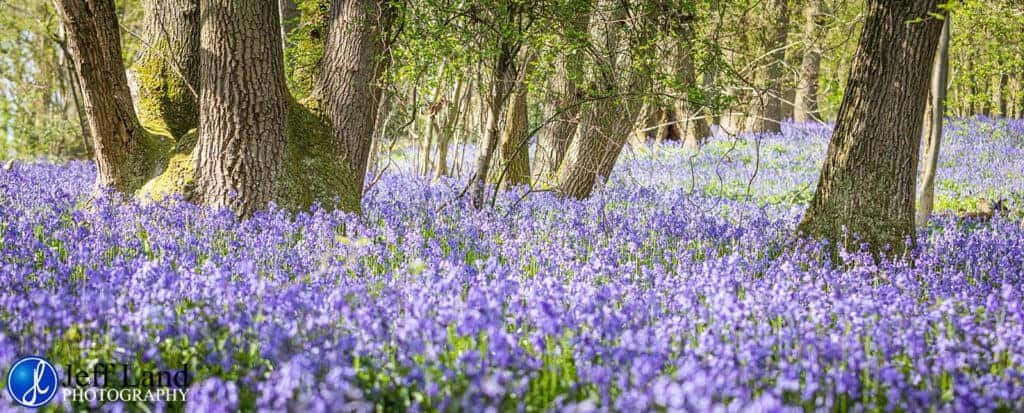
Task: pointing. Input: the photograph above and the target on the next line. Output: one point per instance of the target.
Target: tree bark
(1002, 92)
(692, 126)
(805, 103)
(289, 18)
(561, 110)
(242, 125)
(607, 121)
(349, 83)
(868, 179)
(502, 80)
(933, 130)
(515, 152)
(767, 103)
(95, 44)
(168, 68)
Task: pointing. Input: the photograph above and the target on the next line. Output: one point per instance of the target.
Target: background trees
(502, 93)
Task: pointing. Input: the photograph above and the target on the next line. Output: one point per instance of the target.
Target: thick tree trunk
(242, 125)
(868, 179)
(349, 82)
(515, 150)
(168, 69)
(95, 45)
(933, 129)
(805, 104)
(767, 103)
(608, 120)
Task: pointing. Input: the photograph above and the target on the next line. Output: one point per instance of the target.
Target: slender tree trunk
(95, 44)
(515, 152)
(768, 104)
(75, 90)
(693, 128)
(289, 12)
(168, 69)
(561, 110)
(1002, 92)
(933, 130)
(502, 80)
(243, 122)
(867, 183)
(805, 107)
(348, 86)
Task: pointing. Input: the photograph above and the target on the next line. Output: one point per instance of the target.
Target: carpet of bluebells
(678, 287)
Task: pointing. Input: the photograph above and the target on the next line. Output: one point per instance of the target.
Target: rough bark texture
(868, 179)
(607, 121)
(805, 104)
(561, 111)
(120, 142)
(348, 86)
(767, 103)
(168, 69)
(243, 122)
(515, 153)
(933, 129)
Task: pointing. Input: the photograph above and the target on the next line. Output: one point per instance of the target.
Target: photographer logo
(32, 382)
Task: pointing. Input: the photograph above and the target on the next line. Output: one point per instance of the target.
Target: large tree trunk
(604, 132)
(608, 120)
(805, 104)
(515, 150)
(242, 125)
(95, 44)
(168, 69)
(868, 179)
(933, 130)
(349, 82)
(767, 103)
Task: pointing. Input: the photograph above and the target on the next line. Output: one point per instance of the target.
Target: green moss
(314, 170)
(166, 103)
(149, 158)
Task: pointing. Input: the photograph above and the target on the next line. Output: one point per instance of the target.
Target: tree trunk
(349, 82)
(515, 151)
(561, 111)
(502, 80)
(289, 12)
(691, 125)
(608, 120)
(1002, 92)
(767, 103)
(868, 179)
(933, 130)
(242, 126)
(805, 103)
(168, 69)
(95, 44)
